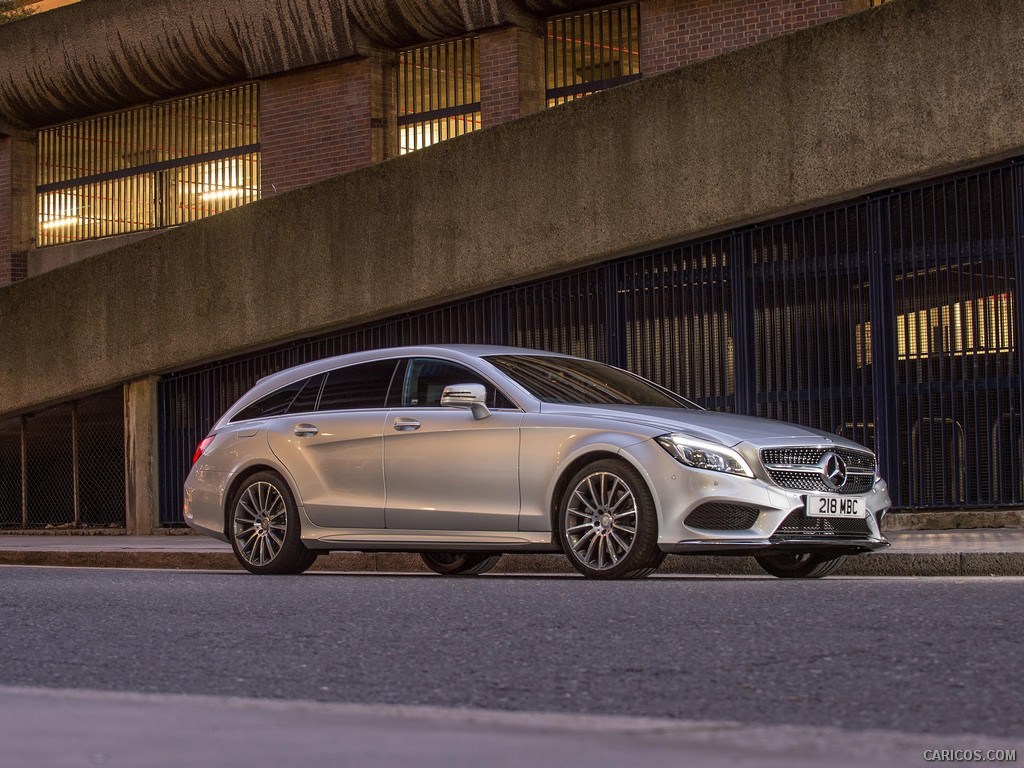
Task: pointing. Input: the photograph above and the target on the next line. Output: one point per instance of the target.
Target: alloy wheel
(260, 523)
(601, 520)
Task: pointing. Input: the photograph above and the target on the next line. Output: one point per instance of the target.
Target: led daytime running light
(701, 454)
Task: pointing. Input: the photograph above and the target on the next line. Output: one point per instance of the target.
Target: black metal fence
(891, 320)
(65, 466)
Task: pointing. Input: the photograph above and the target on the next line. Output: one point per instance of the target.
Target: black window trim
(516, 408)
(387, 394)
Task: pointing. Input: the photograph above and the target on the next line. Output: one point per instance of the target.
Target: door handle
(405, 424)
(305, 430)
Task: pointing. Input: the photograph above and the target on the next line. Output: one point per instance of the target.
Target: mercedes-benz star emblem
(834, 469)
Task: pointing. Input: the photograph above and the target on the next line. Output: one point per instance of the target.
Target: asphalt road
(933, 655)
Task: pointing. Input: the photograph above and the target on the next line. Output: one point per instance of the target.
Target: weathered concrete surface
(108, 54)
(913, 89)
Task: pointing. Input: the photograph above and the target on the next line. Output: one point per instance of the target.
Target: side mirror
(472, 396)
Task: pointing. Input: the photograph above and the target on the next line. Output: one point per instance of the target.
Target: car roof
(454, 352)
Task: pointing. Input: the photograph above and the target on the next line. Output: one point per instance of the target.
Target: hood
(728, 429)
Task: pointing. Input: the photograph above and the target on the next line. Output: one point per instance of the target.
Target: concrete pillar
(142, 489)
(17, 206)
(327, 121)
(511, 73)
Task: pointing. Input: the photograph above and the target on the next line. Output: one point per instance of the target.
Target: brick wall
(676, 32)
(17, 207)
(511, 74)
(324, 122)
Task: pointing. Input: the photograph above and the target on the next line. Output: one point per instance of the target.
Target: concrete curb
(875, 564)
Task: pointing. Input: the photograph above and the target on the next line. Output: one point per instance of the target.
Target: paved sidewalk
(44, 728)
(978, 552)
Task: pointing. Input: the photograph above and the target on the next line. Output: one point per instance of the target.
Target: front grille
(797, 468)
(716, 516)
(798, 524)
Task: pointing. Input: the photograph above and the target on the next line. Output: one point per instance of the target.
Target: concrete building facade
(804, 209)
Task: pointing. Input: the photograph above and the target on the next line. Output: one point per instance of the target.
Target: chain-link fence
(10, 474)
(64, 467)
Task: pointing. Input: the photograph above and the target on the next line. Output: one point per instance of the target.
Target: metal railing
(149, 167)
(891, 320)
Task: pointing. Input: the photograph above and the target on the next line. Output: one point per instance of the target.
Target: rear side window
(274, 404)
(357, 386)
(305, 401)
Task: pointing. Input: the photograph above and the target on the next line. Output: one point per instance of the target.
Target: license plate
(836, 506)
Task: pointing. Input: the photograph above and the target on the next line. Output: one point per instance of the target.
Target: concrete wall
(913, 89)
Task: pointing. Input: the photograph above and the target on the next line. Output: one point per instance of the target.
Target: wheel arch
(574, 466)
(237, 481)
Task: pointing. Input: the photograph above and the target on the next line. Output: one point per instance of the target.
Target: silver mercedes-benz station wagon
(462, 453)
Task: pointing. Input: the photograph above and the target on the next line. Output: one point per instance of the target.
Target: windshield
(583, 382)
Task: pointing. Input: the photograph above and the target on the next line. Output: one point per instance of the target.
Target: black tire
(800, 565)
(263, 526)
(607, 522)
(459, 563)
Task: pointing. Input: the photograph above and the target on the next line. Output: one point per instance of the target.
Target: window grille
(592, 51)
(438, 92)
(149, 167)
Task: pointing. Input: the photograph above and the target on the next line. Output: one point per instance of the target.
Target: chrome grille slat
(796, 467)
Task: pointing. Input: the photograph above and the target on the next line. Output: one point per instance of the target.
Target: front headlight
(701, 454)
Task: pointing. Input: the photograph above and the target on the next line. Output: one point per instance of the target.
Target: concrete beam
(83, 59)
(911, 90)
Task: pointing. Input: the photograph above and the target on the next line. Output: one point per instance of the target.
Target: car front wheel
(264, 527)
(800, 565)
(608, 524)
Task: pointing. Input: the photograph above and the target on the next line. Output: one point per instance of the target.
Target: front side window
(583, 382)
(426, 378)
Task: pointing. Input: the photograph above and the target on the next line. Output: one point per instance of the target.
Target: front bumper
(777, 519)
(777, 544)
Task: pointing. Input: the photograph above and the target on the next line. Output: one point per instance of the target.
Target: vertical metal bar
(1016, 251)
(24, 473)
(881, 298)
(629, 37)
(743, 279)
(75, 477)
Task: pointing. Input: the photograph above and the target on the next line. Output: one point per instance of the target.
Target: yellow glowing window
(592, 51)
(438, 92)
(155, 166)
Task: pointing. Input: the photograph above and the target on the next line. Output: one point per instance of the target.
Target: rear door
(332, 444)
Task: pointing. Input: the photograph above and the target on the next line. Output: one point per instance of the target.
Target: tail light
(202, 447)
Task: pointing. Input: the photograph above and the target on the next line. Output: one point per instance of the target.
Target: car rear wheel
(608, 524)
(264, 527)
(800, 565)
(459, 563)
